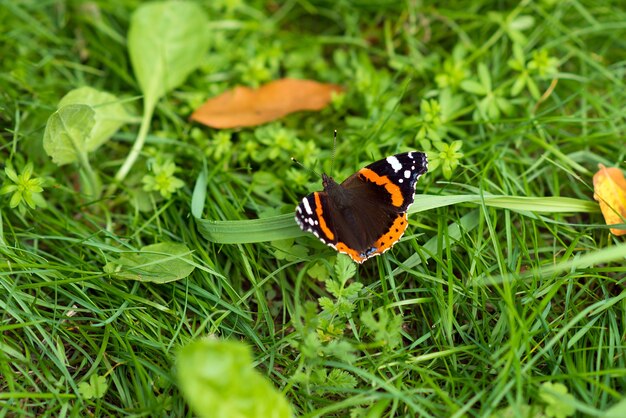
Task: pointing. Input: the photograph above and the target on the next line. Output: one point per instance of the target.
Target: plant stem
(137, 146)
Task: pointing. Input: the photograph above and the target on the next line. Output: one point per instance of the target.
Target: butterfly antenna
(306, 168)
(332, 158)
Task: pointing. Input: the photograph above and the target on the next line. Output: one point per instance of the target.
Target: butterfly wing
(314, 215)
(397, 174)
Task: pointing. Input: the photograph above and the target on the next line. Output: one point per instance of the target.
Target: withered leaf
(243, 106)
(609, 188)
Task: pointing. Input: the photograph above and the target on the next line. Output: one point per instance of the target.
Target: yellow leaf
(609, 188)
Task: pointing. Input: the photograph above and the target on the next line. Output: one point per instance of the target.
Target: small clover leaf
(318, 271)
(559, 402)
(95, 388)
(285, 249)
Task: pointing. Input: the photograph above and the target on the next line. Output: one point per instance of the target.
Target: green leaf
(96, 387)
(386, 329)
(285, 249)
(327, 304)
(484, 76)
(249, 230)
(519, 411)
(340, 349)
(311, 346)
(218, 380)
(336, 381)
(344, 307)
(345, 268)
(166, 42)
(198, 196)
(157, 263)
(85, 119)
(109, 116)
(68, 132)
(616, 411)
(378, 409)
(518, 85)
(318, 271)
(522, 22)
(518, 53)
(352, 291)
(533, 89)
(560, 404)
(505, 105)
(473, 86)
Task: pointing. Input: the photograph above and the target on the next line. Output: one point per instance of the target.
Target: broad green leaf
(616, 411)
(68, 132)
(110, 114)
(166, 42)
(158, 263)
(218, 380)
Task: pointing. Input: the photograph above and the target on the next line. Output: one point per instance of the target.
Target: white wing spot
(407, 174)
(307, 206)
(394, 163)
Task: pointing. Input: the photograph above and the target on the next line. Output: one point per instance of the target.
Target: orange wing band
(395, 232)
(320, 216)
(343, 248)
(396, 195)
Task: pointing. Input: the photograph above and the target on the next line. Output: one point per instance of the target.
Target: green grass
(507, 280)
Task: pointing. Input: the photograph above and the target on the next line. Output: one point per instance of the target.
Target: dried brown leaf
(243, 106)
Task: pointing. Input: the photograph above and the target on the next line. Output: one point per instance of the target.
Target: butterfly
(365, 215)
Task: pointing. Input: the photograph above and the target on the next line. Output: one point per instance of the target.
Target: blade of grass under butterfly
(551, 204)
(249, 231)
(284, 226)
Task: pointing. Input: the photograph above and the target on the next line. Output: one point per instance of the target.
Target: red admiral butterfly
(366, 214)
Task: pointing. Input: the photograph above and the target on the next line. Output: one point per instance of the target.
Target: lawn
(151, 265)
